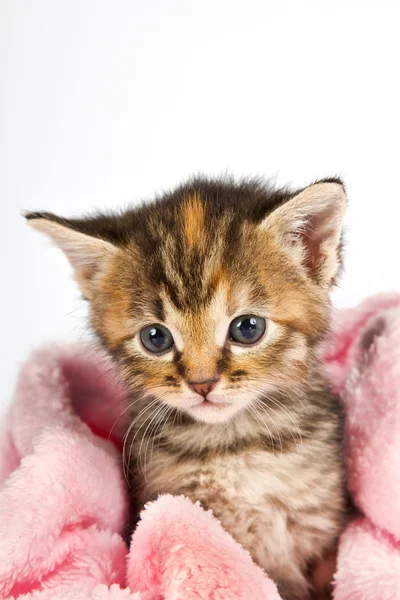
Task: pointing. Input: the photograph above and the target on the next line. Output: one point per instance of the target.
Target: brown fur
(194, 260)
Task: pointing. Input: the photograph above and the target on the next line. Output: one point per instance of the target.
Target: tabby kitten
(212, 300)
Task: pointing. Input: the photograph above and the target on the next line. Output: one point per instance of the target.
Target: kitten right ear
(87, 254)
(309, 227)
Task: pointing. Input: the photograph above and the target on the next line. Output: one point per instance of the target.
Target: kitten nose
(203, 387)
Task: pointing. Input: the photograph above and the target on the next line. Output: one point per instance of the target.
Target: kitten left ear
(309, 227)
(87, 254)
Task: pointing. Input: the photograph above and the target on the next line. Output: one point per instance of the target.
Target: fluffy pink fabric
(192, 557)
(61, 507)
(63, 499)
(362, 359)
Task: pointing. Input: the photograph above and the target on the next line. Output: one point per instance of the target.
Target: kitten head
(212, 296)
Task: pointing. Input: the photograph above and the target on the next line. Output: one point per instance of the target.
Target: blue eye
(156, 338)
(247, 329)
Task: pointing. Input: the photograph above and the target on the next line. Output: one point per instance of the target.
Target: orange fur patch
(111, 312)
(193, 218)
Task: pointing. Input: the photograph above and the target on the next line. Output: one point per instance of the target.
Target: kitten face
(214, 296)
(199, 321)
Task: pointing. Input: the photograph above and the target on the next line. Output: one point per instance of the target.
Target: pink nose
(203, 387)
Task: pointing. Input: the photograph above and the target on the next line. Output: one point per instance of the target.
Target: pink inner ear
(312, 241)
(317, 230)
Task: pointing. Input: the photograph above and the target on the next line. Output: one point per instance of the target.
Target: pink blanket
(63, 499)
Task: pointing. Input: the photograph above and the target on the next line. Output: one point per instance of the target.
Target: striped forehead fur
(185, 235)
(188, 241)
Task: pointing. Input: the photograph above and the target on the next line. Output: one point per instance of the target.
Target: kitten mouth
(215, 410)
(206, 403)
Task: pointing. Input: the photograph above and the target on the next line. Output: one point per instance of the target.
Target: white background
(105, 102)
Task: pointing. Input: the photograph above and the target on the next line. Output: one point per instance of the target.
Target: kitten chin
(212, 300)
(213, 410)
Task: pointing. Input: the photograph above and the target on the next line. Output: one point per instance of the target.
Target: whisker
(149, 417)
(163, 420)
(125, 438)
(261, 421)
(293, 430)
(287, 412)
(122, 414)
(161, 409)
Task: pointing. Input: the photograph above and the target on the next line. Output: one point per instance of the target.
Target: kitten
(212, 300)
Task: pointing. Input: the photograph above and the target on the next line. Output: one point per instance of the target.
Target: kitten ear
(309, 227)
(87, 254)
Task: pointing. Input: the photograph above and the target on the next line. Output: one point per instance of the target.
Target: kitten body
(250, 430)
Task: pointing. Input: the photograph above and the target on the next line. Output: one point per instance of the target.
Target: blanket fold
(61, 508)
(64, 500)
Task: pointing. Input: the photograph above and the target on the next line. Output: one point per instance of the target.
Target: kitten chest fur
(285, 506)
